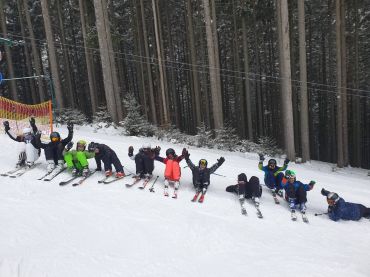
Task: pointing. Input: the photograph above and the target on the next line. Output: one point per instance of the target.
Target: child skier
(247, 190)
(105, 154)
(76, 160)
(296, 193)
(273, 174)
(54, 149)
(28, 151)
(201, 174)
(172, 172)
(144, 161)
(340, 209)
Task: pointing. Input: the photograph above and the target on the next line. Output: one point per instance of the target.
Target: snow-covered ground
(110, 230)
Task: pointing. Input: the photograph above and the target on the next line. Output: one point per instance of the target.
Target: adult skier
(28, 151)
(172, 172)
(296, 192)
(54, 149)
(201, 174)
(105, 154)
(76, 160)
(273, 174)
(144, 160)
(247, 190)
(340, 209)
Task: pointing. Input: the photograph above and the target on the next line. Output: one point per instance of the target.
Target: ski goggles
(55, 139)
(203, 162)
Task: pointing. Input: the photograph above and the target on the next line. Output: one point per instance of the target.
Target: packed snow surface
(110, 230)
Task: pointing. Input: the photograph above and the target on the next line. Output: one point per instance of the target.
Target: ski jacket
(296, 185)
(54, 150)
(274, 171)
(26, 139)
(73, 156)
(172, 171)
(345, 210)
(201, 176)
(146, 155)
(108, 157)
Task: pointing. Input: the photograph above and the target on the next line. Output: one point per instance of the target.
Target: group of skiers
(60, 155)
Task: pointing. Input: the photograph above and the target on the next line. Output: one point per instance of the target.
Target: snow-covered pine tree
(269, 146)
(134, 123)
(63, 116)
(204, 136)
(102, 118)
(226, 138)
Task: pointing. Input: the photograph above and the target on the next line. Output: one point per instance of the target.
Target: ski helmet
(290, 174)
(81, 144)
(170, 151)
(91, 147)
(272, 162)
(54, 136)
(203, 162)
(26, 131)
(242, 177)
(332, 198)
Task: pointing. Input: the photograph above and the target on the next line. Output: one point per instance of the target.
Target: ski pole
(320, 214)
(219, 175)
(152, 187)
(128, 170)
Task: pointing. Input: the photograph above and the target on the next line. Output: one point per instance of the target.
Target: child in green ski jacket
(76, 160)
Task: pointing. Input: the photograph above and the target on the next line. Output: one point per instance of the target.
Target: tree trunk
(247, 89)
(340, 158)
(31, 84)
(285, 75)
(68, 86)
(35, 53)
(165, 119)
(52, 55)
(9, 60)
(88, 58)
(149, 70)
(305, 135)
(215, 88)
(108, 66)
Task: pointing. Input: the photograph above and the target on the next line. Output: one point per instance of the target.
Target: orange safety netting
(18, 115)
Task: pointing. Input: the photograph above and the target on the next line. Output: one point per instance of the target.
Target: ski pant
(27, 153)
(299, 195)
(108, 160)
(201, 186)
(79, 163)
(249, 191)
(144, 164)
(364, 211)
(272, 181)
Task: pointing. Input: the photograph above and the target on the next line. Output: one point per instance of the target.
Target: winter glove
(130, 151)
(6, 126)
(157, 149)
(69, 145)
(262, 158)
(32, 121)
(185, 153)
(286, 161)
(325, 192)
(220, 161)
(70, 127)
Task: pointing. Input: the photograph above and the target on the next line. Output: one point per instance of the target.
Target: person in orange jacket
(172, 172)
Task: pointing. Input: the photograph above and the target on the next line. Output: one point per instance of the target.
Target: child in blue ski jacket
(273, 174)
(340, 209)
(295, 191)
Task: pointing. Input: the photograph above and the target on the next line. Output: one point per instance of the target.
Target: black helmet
(203, 162)
(272, 161)
(54, 136)
(242, 177)
(91, 147)
(170, 151)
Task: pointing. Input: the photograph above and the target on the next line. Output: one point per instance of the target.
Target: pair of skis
(83, 179)
(17, 172)
(111, 179)
(244, 210)
(51, 175)
(144, 184)
(201, 198)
